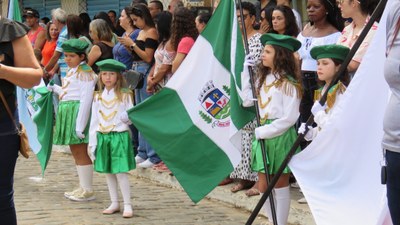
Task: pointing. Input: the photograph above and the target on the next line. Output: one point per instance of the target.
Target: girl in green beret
(110, 139)
(329, 58)
(72, 122)
(278, 93)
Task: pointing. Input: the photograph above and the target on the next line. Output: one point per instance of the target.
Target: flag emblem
(215, 103)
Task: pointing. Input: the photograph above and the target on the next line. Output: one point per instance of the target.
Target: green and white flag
(190, 123)
(14, 13)
(35, 110)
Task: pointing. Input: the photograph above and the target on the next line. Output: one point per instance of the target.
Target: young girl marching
(278, 92)
(73, 114)
(329, 58)
(110, 136)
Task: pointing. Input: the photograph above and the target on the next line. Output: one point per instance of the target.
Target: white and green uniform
(323, 116)
(109, 135)
(76, 95)
(279, 110)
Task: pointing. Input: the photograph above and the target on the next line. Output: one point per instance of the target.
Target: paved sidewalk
(156, 197)
(299, 213)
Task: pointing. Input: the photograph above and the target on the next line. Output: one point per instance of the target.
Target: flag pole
(258, 118)
(377, 12)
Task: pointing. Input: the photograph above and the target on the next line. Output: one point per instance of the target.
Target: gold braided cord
(109, 116)
(109, 104)
(263, 105)
(106, 129)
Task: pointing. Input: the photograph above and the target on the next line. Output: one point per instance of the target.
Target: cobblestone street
(41, 201)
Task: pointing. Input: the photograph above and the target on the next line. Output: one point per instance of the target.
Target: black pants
(393, 185)
(309, 81)
(8, 157)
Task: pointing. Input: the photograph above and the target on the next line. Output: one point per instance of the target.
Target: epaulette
(288, 85)
(336, 89)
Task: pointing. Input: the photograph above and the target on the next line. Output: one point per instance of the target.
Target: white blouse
(307, 43)
(278, 101)
(106, 113)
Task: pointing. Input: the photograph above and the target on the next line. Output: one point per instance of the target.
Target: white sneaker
(82, 196)
(139, 159)
(302, 201)
(74, 192)
(146, 164)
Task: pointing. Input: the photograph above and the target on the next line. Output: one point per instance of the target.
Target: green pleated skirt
(65, 130)
(114, 153)
(276, 149)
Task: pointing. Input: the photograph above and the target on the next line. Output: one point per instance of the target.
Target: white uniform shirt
(106, 113)
(274, 103)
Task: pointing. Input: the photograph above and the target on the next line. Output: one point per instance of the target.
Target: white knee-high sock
(282, 196)
(85, 174)
(267, 208)
(112, 190)
(124, 185)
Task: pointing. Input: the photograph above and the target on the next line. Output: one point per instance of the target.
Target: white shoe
(139, 159)
(302, 201)
(82, 196)
(146, 164)
(74, 192)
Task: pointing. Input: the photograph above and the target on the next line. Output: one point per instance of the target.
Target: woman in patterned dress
(243, 172)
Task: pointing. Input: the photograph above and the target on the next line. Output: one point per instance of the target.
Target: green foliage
(226, 89)
(205, 117)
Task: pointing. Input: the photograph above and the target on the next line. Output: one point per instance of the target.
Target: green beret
(330, 51)
(110, 65)
(74, 45)
(285, 41)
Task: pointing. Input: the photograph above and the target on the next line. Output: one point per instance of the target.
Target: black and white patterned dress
(243, 170)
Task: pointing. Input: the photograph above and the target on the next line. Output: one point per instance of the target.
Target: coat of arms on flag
(216, 104)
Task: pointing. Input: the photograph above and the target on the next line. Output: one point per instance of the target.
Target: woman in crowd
(243, 172)
(359, 12)
(283, 21)
(164, 55)
(183, 35)
(143, 49)
(75, 30)
(101, 35)
(202, 20)
(121, 50)
(50, 44)
(18, 67)
(85, 26)
(265, 20)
